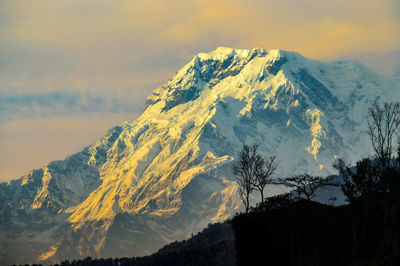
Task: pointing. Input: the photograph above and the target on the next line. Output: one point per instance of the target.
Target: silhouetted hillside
(213, 246)
(366, 232)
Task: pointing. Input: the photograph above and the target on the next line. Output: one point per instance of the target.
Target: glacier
(167, 174)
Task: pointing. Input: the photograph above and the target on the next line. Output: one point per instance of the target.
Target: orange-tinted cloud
(92, 26)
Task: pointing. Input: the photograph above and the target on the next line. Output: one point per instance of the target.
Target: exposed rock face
(168, 174)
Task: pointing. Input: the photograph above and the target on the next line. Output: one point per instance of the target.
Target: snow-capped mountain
(168, 173)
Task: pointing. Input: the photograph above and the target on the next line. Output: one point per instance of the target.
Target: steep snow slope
(168, 173)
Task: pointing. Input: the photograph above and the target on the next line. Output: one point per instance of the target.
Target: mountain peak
(168, 173)
(206, 70)
(224, 52)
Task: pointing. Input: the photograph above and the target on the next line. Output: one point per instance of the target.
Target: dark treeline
(301, 232)
(213, 246)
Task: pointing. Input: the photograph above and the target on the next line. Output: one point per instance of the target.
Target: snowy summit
(168, 173)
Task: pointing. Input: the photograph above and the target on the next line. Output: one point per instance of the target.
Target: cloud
(29, 106)
(382, 62)
(122, 45)
(181, 33)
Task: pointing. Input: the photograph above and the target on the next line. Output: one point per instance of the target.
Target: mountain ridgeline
(167, 174)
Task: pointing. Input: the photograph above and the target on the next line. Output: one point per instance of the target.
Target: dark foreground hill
(308, 233)
(213, 246)
(366, 232)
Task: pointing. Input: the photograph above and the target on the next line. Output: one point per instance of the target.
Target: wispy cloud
(29, 106)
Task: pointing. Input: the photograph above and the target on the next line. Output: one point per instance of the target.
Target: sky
(71, 69)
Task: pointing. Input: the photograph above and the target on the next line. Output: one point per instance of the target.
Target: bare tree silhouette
(383, 125)
(264, 175)
(245, 169)
(305, 184)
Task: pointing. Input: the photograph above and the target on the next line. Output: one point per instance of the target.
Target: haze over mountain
(168, 174)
